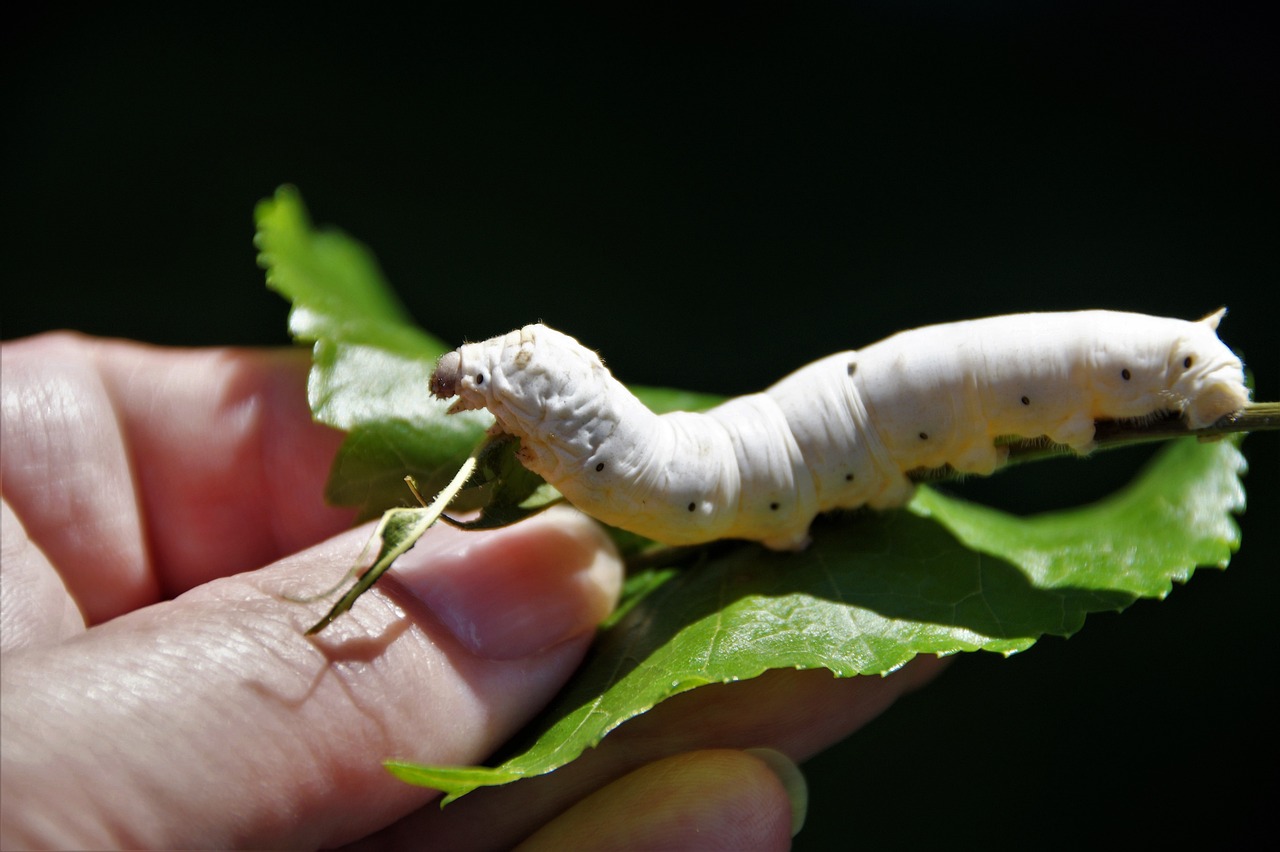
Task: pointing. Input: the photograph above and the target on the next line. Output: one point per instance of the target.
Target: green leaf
(370, 363)
(1159, 529)
(335, 285)
(666, 399)
(507, 491)
(875, 590)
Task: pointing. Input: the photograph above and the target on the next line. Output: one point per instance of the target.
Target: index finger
(141, 472)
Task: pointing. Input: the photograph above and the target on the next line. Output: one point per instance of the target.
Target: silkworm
(842, 432)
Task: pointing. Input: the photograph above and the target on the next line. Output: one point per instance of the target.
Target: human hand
(158, 689)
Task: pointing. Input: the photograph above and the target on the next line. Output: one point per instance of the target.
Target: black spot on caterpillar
(843, 431)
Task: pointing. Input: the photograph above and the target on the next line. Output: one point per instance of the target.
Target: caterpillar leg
(897, 493)
(982, 458)
(1076, 432)
(792, 543)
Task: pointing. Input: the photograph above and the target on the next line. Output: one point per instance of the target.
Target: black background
(711, 199)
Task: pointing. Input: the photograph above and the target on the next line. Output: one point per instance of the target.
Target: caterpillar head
(463, 373)
(474, 371)
(529, 379)
(448, 381)
(444, 379)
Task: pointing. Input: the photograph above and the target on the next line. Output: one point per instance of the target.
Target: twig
(1114, 434)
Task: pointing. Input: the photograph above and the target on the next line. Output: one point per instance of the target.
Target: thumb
(212, 720)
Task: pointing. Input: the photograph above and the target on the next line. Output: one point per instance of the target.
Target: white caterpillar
(843, 431)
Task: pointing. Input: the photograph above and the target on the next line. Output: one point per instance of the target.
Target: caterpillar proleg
(843, 431)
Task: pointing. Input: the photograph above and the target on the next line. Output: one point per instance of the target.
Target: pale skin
(159, 691)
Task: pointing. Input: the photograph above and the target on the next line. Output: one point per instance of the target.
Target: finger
(229, 463)
(35, 606)
(719, 799)
(797, 713)
(142, 471)
(67, 477)
(212, 720)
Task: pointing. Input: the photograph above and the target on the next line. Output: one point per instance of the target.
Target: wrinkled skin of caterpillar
(843, 431)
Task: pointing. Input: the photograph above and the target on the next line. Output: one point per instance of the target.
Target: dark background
(713, 199)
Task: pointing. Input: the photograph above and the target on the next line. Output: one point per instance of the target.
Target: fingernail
(792, 781)
(511, 593)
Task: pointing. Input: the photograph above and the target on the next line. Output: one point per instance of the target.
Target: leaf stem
(1113, 434)
(419, 521)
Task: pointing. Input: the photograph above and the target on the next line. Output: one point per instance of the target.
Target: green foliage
(872, 591)
(370, 363)
(334, 283)
(876, 589)
(508, 491)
